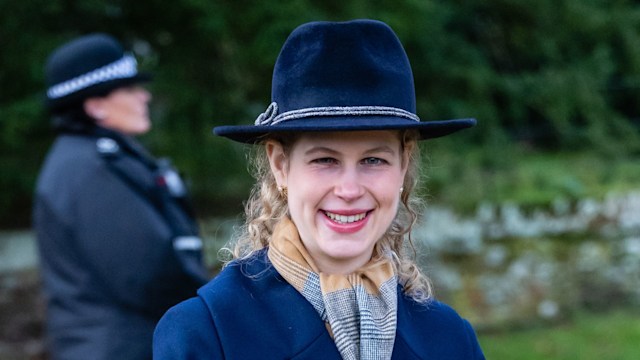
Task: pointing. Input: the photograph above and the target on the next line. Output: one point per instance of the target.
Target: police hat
(92, 65)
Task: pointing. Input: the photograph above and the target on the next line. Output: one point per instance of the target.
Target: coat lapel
(258, 315)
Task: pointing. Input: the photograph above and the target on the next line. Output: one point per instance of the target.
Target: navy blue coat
(250, 312)
(106, 231)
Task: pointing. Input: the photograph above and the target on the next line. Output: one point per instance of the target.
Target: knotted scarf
(360, 308)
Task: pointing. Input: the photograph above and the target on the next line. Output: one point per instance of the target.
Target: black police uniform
(117, 242)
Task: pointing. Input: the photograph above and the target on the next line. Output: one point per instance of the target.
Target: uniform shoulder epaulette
(107, 146)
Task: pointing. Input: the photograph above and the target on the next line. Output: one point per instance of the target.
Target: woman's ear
(93, 107)
(277, 161)
(407, 150)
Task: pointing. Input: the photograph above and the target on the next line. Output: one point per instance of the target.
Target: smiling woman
(322, 268)
(343, 192)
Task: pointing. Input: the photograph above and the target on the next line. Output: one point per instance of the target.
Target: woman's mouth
(348, 222)
(345, 219)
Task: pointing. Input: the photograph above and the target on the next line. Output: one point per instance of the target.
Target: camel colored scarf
(360, 308)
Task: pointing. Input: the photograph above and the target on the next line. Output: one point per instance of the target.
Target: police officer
(117, 240)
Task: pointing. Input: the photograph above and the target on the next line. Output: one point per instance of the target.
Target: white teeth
(344, 219)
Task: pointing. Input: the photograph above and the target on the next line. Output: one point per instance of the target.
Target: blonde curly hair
(266, 207)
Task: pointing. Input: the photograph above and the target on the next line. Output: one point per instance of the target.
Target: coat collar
(256, 311)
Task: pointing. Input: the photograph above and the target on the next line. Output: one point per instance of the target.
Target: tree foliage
(554, 74)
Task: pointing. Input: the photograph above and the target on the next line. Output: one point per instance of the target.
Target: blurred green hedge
(544, 74)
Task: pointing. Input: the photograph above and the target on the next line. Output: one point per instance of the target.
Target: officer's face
(125, 110)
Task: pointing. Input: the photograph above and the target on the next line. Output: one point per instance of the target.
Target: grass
(612, 335)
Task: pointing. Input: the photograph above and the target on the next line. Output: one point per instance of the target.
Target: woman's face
(124, 109)
(343, 192)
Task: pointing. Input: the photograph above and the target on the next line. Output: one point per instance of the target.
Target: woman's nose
(348, 185)
(146, 95)
(143, 94)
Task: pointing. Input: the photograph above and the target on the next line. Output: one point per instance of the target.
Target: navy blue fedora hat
(91, 65)
(341, 76)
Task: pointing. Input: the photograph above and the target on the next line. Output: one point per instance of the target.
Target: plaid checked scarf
(360, 309)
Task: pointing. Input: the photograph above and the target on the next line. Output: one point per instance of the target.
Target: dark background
(545, 76)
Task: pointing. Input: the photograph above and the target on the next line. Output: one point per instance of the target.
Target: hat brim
(251, 134)
(100, 89)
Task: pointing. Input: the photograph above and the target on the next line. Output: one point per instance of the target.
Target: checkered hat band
(124, 68)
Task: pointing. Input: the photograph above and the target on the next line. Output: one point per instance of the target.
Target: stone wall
(506, 266)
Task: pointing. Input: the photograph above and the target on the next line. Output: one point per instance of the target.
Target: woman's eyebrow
(381, 149)
(327, 150)
(320, 149)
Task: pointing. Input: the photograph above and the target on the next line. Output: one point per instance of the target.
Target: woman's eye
(374, 161)
(325, 160)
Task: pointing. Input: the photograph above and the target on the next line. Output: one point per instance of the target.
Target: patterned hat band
(271, 116)
(126, 67)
